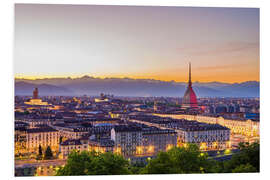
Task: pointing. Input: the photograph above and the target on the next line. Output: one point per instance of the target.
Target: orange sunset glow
(118, 42)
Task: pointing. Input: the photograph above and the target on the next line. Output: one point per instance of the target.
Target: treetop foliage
(92, 163)
(177, 160)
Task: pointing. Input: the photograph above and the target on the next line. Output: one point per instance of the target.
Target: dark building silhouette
(221, 109)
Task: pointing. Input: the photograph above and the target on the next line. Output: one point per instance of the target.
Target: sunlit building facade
(127, 139)
(71, 132)
(211, 137)
(70, 145)
(42, 136)
(206, 136)
(245, 127)
(101, 145)
(20, 140)
(156, 140)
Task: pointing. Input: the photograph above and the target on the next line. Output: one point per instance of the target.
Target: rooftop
(41, 130)
(71, 142)
(102, 142)
(184, 124)
(127, 128)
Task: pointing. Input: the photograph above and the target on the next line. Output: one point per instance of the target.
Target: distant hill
(25, 88)
(133, 87)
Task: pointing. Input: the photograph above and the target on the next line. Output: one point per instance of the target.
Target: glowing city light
(169, 146)
(150, 149)
(118, 150)
(227, 151)
(139, 150)
(203, 146)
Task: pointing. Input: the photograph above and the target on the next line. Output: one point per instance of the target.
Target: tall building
(45, 136)
(35, 101)
(128, 139)
(189, 99)
(155, 140)
(35, 93)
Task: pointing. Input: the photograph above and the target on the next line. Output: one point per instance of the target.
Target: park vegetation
(46, 156)
(178, 160)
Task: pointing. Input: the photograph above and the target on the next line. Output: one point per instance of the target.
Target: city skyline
(137, 42)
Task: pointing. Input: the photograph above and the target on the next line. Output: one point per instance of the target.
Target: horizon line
(99, 77)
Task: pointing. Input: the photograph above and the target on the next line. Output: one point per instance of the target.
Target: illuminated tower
(35, 101)
(189, 99)
(155, 106)
(35, 93)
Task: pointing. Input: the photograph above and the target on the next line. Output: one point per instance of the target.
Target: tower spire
(189, 80)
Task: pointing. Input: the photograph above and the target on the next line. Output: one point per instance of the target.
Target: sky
(222, 44)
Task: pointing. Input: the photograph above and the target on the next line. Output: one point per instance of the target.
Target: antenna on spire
(189, 80)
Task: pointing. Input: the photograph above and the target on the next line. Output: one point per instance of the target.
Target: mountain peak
(135, 87)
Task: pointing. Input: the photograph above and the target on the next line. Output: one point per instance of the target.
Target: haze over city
(137, 42)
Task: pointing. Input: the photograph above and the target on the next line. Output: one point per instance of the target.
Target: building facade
(71, 132)
(245, 127)
(156, 140)
(101, 145)
(71, 145)
(127, 140)
(208, 137)
(42, 136)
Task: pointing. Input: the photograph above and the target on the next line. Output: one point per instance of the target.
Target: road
(35, 163)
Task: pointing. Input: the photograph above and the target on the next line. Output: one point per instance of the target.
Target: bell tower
(35, 93)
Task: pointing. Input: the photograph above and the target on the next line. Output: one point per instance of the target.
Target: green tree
(60, 139)
(215, 166)
(179, 160)
(176, 160)
(160, 165)
(39, 156)
(249, 154)
(108, 164)
(92, 163)
(244, 168)
(137, 168)
(76, 163)
(48, 153)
